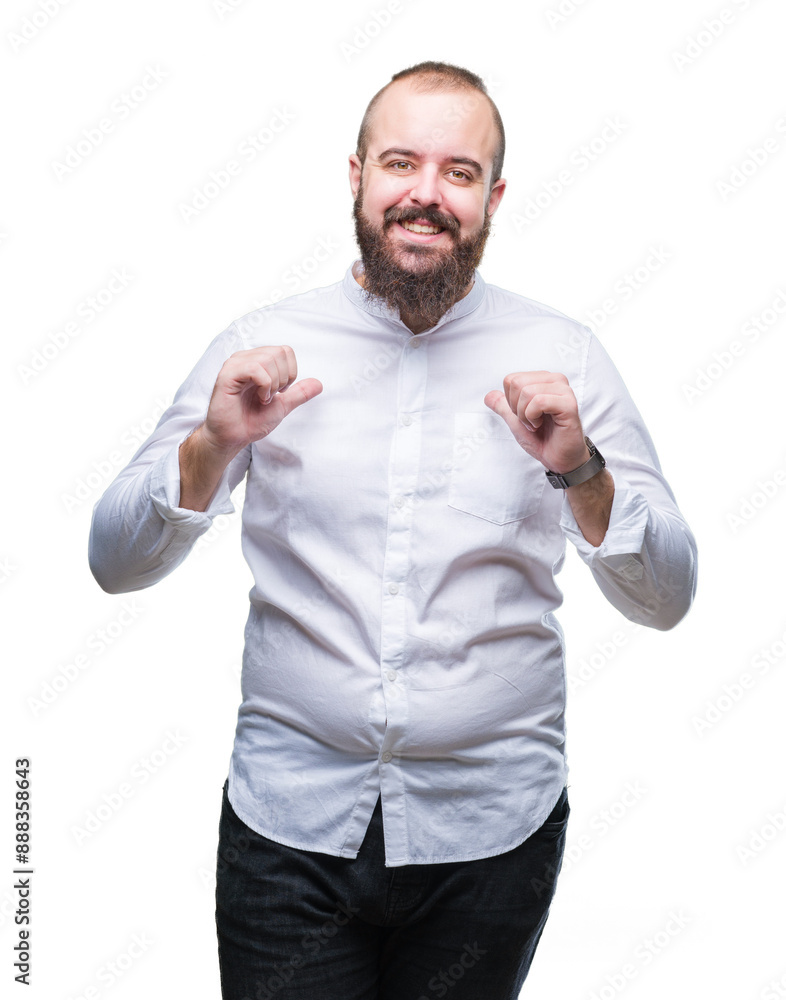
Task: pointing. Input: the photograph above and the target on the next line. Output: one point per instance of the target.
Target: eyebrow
(411, 154)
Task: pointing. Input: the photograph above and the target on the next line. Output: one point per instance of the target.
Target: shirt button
(392, 588)
(416, 343)
(398, 501)
(391, 675)
(406, 420)
(387, 756)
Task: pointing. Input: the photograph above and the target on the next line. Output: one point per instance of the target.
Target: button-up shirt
(401, 638)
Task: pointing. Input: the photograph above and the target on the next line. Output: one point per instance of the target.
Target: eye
(459, 175)
(399, 166)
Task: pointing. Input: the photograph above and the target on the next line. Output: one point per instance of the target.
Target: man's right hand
(249, 400)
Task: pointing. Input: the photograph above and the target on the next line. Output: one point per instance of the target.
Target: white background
(703, 835)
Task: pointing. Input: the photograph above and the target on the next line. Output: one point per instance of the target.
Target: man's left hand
(541, 410)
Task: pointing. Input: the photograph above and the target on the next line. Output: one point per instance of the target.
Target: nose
(426, 191)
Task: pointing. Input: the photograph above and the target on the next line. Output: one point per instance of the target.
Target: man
(394, 817)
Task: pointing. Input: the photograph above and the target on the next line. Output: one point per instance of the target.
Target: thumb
(496, 401)
(299, 393)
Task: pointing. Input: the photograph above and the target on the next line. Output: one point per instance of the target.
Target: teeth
(415, 227)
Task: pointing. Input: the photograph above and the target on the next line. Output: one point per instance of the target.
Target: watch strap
(593, 465)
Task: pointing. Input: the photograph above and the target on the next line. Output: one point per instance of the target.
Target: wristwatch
(594, 464)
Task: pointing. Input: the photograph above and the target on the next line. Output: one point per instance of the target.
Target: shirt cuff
(165, 496)
(624, 536)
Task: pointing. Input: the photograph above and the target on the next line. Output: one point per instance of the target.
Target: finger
(291, 366)
(520, 397)
(269, 368)
(286, 366)
(532, 389)
(239, 372)
(554, 388)
(497, 402)
(277, 367)
(268, 390)
(522, 380)
(542, 403)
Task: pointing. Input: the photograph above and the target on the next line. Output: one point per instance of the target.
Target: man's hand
(247, 404)
(249, 401)
(541, 410)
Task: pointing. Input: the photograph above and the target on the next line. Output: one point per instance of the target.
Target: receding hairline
(435, 78)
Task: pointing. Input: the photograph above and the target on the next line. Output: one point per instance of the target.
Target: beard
(417, 279)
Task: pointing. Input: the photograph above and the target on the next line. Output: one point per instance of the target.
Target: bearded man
(394, 817)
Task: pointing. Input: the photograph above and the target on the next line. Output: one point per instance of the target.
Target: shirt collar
(376, 307)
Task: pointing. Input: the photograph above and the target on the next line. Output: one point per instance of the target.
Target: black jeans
(300, 925)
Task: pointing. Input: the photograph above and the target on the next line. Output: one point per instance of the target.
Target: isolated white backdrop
(674, 889)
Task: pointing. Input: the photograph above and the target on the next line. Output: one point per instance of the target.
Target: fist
(250, 399)
(541, 410)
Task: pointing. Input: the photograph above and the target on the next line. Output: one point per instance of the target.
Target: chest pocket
(492, 476)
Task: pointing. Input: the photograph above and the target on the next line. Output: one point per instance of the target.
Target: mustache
(430, 215)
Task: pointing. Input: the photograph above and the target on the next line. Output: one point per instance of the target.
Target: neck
(414, 323)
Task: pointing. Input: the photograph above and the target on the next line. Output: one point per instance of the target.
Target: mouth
(421, 227)
(421, 232)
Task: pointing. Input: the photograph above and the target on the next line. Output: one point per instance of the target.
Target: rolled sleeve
(164, 490)
(139, 533)
(646, 563)
(626, 530)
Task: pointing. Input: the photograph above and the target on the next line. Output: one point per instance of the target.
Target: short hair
(433, 77)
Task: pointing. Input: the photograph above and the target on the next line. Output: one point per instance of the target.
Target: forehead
(442, 123)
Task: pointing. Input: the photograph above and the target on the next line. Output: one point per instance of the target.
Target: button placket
(402, 481)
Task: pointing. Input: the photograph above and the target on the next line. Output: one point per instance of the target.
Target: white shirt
(401, 638)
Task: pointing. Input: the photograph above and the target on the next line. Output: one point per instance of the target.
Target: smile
(417, 227)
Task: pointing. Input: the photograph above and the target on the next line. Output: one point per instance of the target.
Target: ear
(355, 170)
(495, 195)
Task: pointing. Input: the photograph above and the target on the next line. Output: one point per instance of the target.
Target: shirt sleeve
(139, 534)
(646, 564)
